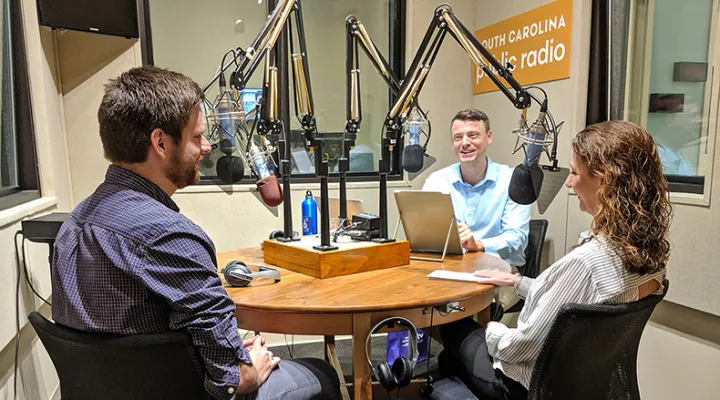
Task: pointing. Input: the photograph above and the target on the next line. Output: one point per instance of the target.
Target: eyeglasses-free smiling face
(470, 140)
(584, 184)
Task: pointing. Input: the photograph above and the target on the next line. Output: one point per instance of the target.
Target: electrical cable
(17, 317)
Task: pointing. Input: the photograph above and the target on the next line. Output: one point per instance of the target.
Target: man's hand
(248, 343)
(496, 277)
(468, 240)
(252, 376)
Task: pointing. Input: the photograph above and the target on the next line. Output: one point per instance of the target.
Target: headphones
(237, 273)
(279, 234)
(401, 372)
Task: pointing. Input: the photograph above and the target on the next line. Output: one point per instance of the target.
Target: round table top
(388, 289)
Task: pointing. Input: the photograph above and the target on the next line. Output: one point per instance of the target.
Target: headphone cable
(426, 391)
(427, 371)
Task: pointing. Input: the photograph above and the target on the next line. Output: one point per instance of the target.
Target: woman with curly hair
(617, 176)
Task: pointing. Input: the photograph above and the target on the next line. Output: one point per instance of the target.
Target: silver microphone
(413, 153)
(534, 140)
(264, 167)
(225, 114)
(226, 111)
(262, 164)
(528, 183)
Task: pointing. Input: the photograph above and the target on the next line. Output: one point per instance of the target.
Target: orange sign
(536, 43)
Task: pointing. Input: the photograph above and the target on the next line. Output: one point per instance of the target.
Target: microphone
(413, 153)
(224, 113)
(230, 169)
(267, 184)
(527, 177)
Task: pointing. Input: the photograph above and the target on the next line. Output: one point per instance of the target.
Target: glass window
(8, 148)
(18, 169)
(191, 37)
(670, 88)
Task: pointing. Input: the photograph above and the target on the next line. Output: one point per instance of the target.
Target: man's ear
(159, 143)
(489, 134)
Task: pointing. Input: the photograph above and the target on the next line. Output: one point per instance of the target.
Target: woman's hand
(496, 277)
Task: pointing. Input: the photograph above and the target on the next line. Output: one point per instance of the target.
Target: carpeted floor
(344, 351)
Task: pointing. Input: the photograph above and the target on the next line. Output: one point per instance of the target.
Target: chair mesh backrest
(591, 352)
(533, 251)
(101, 366)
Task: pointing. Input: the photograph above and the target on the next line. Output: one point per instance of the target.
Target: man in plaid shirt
(127, 262)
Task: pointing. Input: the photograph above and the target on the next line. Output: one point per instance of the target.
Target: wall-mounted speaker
(110, 17)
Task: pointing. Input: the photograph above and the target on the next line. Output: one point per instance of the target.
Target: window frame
(693, 189)
(635, 91)
(396, 59)
(28, 184)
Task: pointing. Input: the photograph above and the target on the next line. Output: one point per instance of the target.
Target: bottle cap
(308, 194)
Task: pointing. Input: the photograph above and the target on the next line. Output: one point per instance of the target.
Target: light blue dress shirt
(500, 223)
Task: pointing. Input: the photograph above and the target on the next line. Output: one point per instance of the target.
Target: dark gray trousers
(299, 379)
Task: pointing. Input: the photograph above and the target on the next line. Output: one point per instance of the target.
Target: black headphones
(237, 273)
(278, 234)
(401, 372)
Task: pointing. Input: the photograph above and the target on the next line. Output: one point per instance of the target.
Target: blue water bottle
(309, 215)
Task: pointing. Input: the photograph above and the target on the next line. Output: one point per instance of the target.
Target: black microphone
(230, 169)
(413, 154)
(527, 177)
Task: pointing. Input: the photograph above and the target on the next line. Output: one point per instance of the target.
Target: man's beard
(183, 171)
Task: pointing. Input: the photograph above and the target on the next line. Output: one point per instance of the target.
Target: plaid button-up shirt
(127, 262)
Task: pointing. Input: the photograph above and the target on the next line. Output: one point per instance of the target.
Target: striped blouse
(590, 274)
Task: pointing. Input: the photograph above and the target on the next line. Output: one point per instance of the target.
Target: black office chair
(590, 353)
(589, 342)
(533, 254)
(110, 367)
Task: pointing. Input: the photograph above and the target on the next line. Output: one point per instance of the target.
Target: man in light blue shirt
(487, 219)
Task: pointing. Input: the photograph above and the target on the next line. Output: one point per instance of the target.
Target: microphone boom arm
(444, 21)
(246, 63)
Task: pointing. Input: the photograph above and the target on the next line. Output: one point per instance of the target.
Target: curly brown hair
(634, 211)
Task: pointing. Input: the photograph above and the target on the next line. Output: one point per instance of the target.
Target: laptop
(428, 219)
(353, 207)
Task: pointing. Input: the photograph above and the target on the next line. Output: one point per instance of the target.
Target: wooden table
(353, 304)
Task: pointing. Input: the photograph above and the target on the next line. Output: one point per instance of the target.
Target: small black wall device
(110, 17)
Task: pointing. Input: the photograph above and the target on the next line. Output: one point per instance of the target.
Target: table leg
(362, 380)
(483, 317)
(332, 358)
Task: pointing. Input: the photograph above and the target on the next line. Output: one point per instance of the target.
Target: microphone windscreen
(525, 184)
(270, 191)
(230, 169)
(412, 158)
